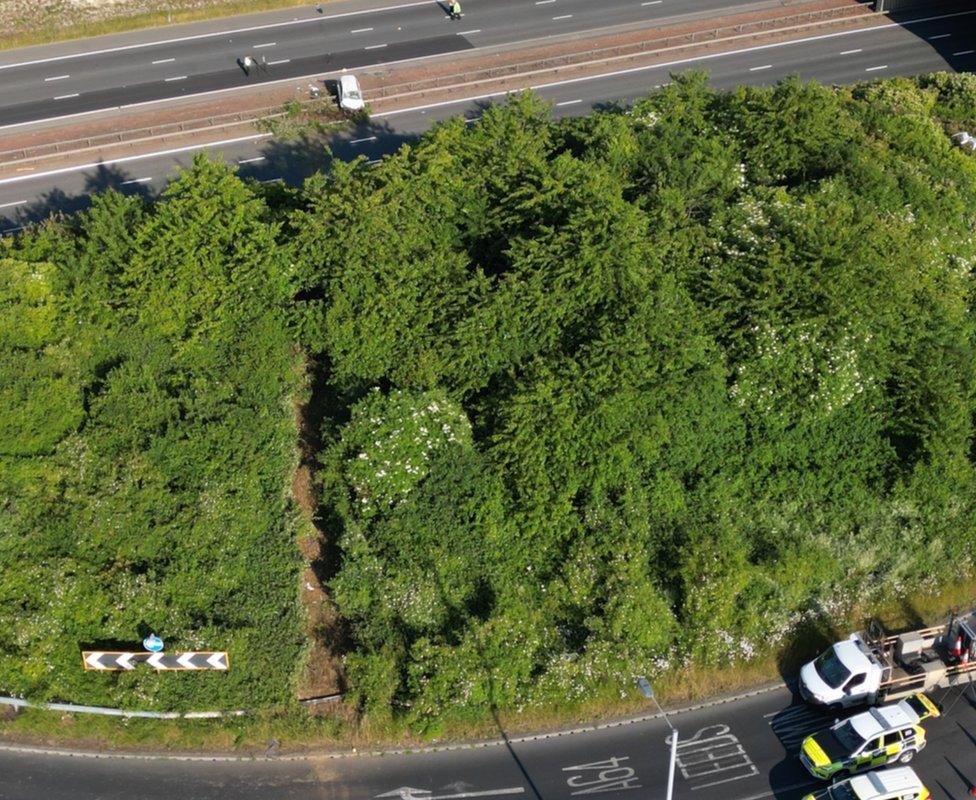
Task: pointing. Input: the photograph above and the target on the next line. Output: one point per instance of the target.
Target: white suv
(350, 96)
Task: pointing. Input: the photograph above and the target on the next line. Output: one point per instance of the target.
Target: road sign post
(644, 686)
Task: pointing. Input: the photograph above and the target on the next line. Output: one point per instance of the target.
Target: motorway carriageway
(938, 43)
(46, 83)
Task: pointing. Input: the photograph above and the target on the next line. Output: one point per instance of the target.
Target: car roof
(885, 782)
(876, 721)
(348, 82)
(851, 656)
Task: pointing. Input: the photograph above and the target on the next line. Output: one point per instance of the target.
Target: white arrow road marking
(93, 660)
(217, 661)
(405, 792)
(156, 661)
(186, 661)
(409, 793)
(125, 661)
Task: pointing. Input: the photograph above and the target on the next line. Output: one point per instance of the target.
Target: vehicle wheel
(907, 756)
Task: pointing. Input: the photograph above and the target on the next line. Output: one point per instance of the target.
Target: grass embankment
(44, 24)
(295, 730)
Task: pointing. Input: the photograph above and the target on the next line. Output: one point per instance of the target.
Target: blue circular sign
(152, 643)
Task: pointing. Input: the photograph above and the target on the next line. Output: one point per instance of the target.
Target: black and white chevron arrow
(100, 660)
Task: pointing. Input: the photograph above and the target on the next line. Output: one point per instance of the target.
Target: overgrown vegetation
(604, 396)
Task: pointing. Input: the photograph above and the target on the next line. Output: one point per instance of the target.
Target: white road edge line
(56, 78)
(881, 26)
(850, 52)
(126, 159)
(164, 61)
(231, 32)
(764, 66)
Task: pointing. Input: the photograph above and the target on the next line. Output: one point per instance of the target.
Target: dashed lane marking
(850, 52)
(164, 61)
(563, 16)
(568, 103)
(651, 3)
(469, 33)
(940, 36)
(875, 69)
(757, 69)
(136, 180)
(279, 61)
(266, 44)
(361, 30)
(66, 96)
(15, 203)
(177, 78)
(251, 160)
(964, 53)
(56, 78)
(364, 139)
(374, 47)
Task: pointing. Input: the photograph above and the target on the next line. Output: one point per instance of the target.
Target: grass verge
(295, 730)
(50, 26)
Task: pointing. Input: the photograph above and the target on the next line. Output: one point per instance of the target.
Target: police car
(898, 783)
(870, 739)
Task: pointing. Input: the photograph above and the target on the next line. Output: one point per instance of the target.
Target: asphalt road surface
(742, 750)
(946, 42)
(46, 82)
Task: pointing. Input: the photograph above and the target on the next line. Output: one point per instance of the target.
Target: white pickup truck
(872, 667)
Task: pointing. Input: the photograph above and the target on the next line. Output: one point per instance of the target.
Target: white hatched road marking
(792, 725)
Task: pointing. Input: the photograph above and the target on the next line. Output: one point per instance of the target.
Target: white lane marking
(279, 61)
(375, 161)
(272, 180)
(875, 69)
(361, 30)
(11, 230)
(964, 53)
(651, 3)
(126, 159)
(544, 2)
(56, 78)
(563, 16)
(850, 52)
(15, 203)
(469, 120)
(66, 96)
(231, 32)
(365, 139)
(250, 160)
(468, 33)
(164, 61)
(177, 78)
(136, 180)
(940, 36)
(569, 103)
(764, 66)
(265, 44)
(374, 47)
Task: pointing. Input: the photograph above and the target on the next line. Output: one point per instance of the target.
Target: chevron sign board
(115, 661)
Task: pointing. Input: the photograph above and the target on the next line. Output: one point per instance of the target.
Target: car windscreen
(849, 738)
(830, 670)
(353, 94)
(841, 791)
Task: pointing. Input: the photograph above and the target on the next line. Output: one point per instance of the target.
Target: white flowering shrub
(389, 441)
